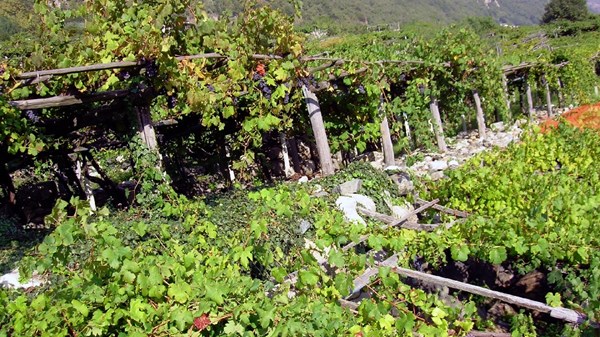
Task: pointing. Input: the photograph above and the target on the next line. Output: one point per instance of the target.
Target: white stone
(11, 280)
(393, 168)
(498, 127)
(348, 206)
(303, 180)
(349, 187)
(304, 226)
(400, 212)
(438, 165)
(437, 175)
(453, 164)
(365, 202)
(321, 255)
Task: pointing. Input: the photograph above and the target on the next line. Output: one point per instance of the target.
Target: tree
(571, 10)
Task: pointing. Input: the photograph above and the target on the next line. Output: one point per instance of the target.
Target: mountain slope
(381, 12)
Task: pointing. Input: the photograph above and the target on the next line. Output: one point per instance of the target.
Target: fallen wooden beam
(488, 334)
(388, 219)
(365, 278)
(59, 101)
(393, 224)
(563, 314)
(444, 209)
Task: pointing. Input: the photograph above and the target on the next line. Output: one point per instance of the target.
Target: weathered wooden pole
(529, 100)
(506, 94)
(438, 129)
(561, 99)
(407, 130)
(548, 96)
(386, 138)
(287, 168)
(7, 184)
(480, 116)
(293, 149)
(145, 128)
(596, 91)
(316, 121)
(82, 170)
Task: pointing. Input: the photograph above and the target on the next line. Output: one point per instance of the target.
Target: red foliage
(201, 322)
(587, 116)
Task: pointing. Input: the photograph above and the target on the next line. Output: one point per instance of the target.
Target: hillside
(594, 5)
(378, 12)
(355, 13)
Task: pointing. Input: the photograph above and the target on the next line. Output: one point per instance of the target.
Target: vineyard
(165, 173)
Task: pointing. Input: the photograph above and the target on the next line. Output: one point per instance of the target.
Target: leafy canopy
(571, 10)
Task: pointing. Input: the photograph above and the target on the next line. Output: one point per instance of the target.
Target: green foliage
(570, 10)
(534, 202)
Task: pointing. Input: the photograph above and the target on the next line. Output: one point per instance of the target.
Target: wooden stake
(439, 128)
(316, 120)
(285, 154)
(293, 149)
(386, 139)
(529, 100)
(407, 130)
(561, 99)
(7, 184)
(81, 169)
(548, 97)
(145, 127)
(596, 91)
(480, 116)
(506, 94)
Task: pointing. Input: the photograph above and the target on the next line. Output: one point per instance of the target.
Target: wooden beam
(563, 314)
(60, 101)
(402, 223)
(444, 209)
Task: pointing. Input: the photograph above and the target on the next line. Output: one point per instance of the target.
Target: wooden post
(548, 97)
(596, 91)
(506, 95)
(316, 120)
(561, 99)
(145, 127)
(407, 130)
(229, 168)
(293, 148)
(464, 123)
(439, 128)
(81, 169)
(529, 100)
(7, 184)
(386, 138)
(285, 154)
(480, 116)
